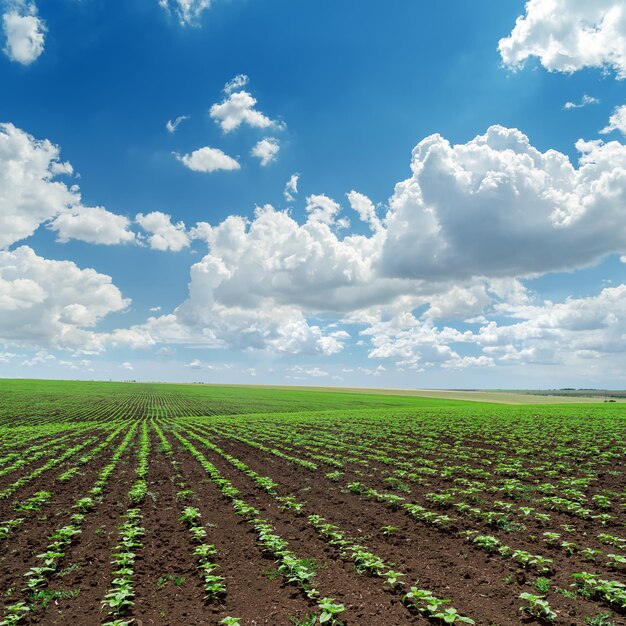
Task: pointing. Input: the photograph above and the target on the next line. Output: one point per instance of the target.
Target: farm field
(188, 504)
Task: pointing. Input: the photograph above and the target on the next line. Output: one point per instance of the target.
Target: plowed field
(192, 504)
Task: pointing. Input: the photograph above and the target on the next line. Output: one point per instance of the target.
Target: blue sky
(489, 258)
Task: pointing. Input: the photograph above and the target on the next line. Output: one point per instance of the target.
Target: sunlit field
(191, 504)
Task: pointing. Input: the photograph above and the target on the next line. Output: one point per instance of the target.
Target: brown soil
(442, 561)
(169, 590)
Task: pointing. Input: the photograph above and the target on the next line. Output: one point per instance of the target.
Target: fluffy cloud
(24, 32)
(163, 234)
(322, 209)
(54, 304)
(617, 121)
(208, 160)
(568, 35)
(266, 150)
(239, 108)
(30, 195)
(576, 329)
(415, 343)
(587, 333)
(498, 207)
(93, 225)
(451, 243)
(456, 235)
(365, 208)
(187, 11)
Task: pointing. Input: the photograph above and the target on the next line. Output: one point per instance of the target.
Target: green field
(125, 503)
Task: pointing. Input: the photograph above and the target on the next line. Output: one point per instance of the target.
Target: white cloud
(266, 150)
(415, 343)
(236, 83)
(187, 11)
(566, 332)
(30, 195)
(239, 297)
(314, 372)
(239, 108)
(197, 364)
(93, 225)
(498, 207)
(77, 366)
(208, 160)
(41, 358)
(452, 242)
(54, 304)
(127, 366)
(24, 32)
(456, 236)
(365, 208)
(585, 101)
(7, 357)
(321, 208)
(291, 188)
(617, 121)
(172, 126)
(569, 35)
(163, 234)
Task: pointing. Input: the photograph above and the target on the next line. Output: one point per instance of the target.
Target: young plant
(537, 606)
(330, 610)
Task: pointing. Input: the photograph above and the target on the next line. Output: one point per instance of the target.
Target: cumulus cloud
(172, 125)
(453, 241)
(187, 11)
(235, 297)
(322, 209)
(580, 329)
(617, 121)
(569, 35)
(239, 108)
(53, 304)
(416, 343)
(584, 101)
(164, 235)
(208, 160)
(93, 225)
(266, 150)
(31, 194)
(498, 207)
(127, 366)
(24, 32)
(291, 188)
(587, 333)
